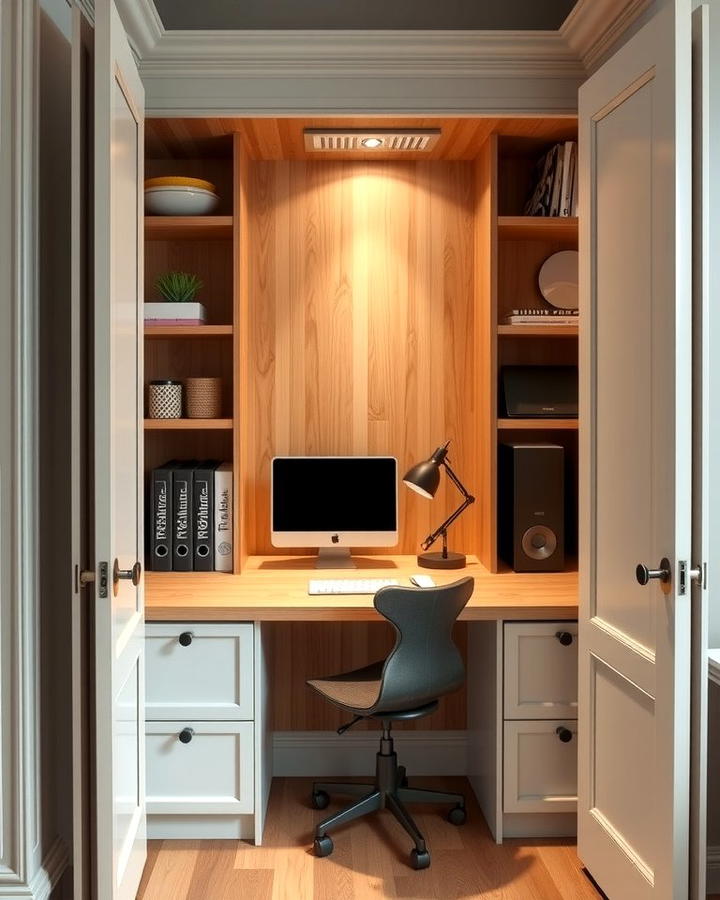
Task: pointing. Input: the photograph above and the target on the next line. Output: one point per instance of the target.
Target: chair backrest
(425, 663)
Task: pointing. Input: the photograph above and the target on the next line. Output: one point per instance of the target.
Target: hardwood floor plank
(370, 860)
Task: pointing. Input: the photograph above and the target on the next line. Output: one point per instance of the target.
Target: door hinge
(685, 574)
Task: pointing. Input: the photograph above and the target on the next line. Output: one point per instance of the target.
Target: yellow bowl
(179, 181)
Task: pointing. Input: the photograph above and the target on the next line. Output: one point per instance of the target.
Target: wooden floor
(369, 861)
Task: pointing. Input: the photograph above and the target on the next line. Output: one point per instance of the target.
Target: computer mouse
(422, 581)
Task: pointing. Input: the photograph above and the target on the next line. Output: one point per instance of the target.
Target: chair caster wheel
(320, 799)
(457, 815)
(323, 846)
(420, 859)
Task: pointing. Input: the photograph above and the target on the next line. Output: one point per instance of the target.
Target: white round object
(558, 279)
(178, 201)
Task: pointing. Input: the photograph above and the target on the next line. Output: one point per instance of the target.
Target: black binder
(204, 515)
(182, 516)
(161, 518)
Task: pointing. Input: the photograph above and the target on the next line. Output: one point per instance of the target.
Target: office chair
(423, 665)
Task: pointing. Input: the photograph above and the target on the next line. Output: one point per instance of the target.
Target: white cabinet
(205, 767)
(522, 728)
(540, 766)
(199, 671)
(207, 745)
(540, 670)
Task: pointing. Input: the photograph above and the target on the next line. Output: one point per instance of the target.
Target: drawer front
(540, 770)
(196, 671)
(540, 670)
(211, 773)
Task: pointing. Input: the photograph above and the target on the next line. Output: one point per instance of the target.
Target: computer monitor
(334, 503)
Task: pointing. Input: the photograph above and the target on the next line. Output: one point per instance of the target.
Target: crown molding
(361, 54)
(593, 26)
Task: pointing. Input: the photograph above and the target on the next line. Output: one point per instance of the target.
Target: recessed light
(391, 140)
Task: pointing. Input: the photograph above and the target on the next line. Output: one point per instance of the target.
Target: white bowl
(179, 201)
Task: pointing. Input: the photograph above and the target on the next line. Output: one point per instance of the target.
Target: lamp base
(438, 561)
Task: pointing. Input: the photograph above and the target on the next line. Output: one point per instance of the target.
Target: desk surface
(274, 588)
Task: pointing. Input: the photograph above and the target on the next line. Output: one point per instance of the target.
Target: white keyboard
(348, 585)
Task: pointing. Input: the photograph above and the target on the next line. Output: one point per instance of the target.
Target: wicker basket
(203, 398)
(164, 399)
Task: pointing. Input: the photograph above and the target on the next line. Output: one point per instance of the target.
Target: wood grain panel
(282, 138)
(302, 650)
(486, 350)
(361, 325)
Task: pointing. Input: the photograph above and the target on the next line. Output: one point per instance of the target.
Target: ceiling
(410, 15)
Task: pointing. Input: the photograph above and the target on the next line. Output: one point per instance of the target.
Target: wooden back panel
(361, 326)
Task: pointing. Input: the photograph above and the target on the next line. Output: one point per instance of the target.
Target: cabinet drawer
(209, 675)
(212, 773)
(540, 670)
(540, 769)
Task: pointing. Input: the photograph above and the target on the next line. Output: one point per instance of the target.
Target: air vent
(417, 140)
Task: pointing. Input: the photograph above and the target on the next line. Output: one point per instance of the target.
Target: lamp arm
(467, 501)
(431, 538)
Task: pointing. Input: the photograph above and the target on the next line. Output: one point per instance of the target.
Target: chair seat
(359, 690)
(356, 691)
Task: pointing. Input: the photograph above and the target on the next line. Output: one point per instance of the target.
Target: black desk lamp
(424, 478)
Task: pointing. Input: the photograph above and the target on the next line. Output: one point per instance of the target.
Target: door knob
(125, 575)
(644, 575)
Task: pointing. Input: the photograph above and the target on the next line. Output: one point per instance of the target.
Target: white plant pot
(175, 313)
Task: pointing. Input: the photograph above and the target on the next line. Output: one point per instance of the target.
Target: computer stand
(334, 558)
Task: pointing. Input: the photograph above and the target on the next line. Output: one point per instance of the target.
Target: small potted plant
(178, 306)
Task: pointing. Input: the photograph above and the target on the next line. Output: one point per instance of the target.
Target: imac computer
(334, 503)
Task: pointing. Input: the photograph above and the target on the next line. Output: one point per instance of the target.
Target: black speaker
(531, 506)
(543, 392)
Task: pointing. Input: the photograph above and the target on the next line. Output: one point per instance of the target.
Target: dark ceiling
(364, 14)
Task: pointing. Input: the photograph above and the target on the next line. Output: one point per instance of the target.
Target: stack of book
(555, 192)
(190, 517)
(541, 317)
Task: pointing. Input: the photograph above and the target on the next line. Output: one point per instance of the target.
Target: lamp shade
(424, 478)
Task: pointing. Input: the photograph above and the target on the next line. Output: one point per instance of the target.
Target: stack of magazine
(555, 192)
(190, 516)
(531, 316)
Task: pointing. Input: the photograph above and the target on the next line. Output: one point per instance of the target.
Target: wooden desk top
(275, 588)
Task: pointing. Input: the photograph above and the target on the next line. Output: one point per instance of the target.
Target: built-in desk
(275, 588)
(209, 734)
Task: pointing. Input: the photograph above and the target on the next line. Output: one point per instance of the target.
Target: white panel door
(119, 615)
(634, 659)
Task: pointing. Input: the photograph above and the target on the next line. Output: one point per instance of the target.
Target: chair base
(388, 791)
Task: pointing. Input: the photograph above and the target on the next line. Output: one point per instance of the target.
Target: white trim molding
(326, 753)
(226, 73)
(594, 26)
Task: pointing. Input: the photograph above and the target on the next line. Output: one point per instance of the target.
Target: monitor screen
(322, 495)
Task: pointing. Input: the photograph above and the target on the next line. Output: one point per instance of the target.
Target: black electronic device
(546, 392)
(531, 506)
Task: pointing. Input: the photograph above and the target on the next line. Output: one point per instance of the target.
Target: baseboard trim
(41, 885)
(713, 870)
(324, 753)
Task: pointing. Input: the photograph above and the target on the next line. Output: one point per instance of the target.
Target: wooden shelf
(537, 424)
(538, 330)
(188, 228)
(188, 331)
(188, 424)
(537, 228)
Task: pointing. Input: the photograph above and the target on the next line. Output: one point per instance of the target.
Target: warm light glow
(372, 142)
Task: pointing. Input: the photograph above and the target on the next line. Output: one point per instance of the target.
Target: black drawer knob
(185, 639)
(564, 734)
(186, 735)
(564, 637)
